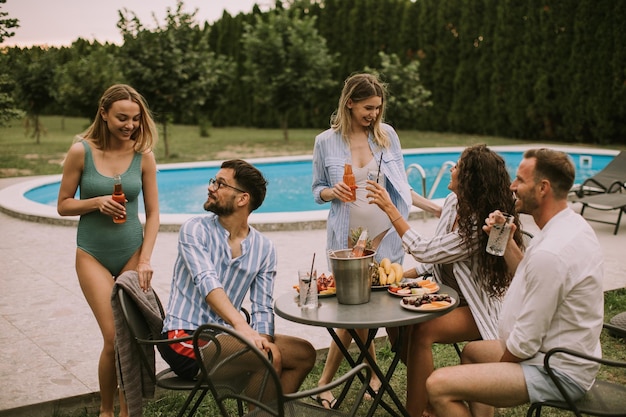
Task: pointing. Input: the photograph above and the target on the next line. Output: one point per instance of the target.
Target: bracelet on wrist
(396, 219)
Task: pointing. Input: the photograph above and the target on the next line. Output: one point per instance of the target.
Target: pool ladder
(417, 167)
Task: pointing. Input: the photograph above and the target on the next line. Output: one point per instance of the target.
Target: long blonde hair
(359, 87)
(145, 136)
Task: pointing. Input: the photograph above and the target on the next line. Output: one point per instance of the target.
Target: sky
(61, 22)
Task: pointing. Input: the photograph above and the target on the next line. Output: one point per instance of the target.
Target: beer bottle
(359, 249)
(349, 180)
(119, 196)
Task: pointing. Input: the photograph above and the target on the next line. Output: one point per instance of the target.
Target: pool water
(184, 190)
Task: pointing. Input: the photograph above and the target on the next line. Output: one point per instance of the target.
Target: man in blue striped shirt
(220, 258)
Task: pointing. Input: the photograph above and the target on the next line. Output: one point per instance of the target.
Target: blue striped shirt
(205, 262)
(447, 247)
(330, 154)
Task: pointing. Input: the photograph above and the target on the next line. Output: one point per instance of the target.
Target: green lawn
(20, 155)
(445, 355)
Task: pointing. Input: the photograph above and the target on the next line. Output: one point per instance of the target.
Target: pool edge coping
(13, 202)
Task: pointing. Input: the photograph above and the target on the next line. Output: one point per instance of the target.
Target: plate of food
(325, 286)
(379, 287)
(385, 274)
(415, 287)
(427, 302)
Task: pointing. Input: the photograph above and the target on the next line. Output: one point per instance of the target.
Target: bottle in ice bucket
(359, 249)
(119, 196)
(348, 179)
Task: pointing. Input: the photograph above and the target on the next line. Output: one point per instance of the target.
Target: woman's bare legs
(456, 326)
(96, 283)
(374, 380)
(334, 358)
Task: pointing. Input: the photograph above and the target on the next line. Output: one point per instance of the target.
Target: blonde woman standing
(359, 137)
(118, 142)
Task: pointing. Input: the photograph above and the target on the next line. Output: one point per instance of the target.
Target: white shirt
(556, 298)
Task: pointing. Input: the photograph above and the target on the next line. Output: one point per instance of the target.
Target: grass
(21, 156)
(444, 355)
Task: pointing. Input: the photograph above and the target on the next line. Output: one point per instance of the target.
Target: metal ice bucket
(352, 275)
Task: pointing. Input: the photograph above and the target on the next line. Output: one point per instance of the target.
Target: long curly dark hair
(483, 186)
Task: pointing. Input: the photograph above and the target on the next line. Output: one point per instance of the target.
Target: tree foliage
(6, 24)
(287, 62)
(81, 81)
(33, 72)
(8, 108)
(534, 69)
(172, 66)
(407, 96)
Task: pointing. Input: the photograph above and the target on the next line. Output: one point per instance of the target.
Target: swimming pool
(183, 187)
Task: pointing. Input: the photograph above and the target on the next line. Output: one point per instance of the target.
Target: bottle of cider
(359, 249)
(349, 180)
(119, 197)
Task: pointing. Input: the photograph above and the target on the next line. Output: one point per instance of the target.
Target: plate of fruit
(414, 287)
(427, 302)
(385, 274)
(325, 286)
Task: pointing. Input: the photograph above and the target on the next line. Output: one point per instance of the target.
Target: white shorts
(541, 388)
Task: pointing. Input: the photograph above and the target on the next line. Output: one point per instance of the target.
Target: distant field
(21, 156)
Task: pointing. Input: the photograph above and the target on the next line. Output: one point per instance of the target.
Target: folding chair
(604, 202)
(141, 336)
(605, 398)
(235, 369)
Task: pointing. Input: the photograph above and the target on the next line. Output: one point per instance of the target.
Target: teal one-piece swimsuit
(110, 243)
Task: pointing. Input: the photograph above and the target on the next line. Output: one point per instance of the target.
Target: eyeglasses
(219, 184)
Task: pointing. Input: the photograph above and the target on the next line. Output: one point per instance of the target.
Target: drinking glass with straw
(308, 286)
(375, 175)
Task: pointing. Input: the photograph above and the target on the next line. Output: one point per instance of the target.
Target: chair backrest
(138, 326)
(235, 369)
(610, 179)
(603, 399)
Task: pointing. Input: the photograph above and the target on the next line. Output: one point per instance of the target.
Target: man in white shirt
(555, 299)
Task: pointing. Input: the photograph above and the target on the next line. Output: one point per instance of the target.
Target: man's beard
(214, 207)
(527, 205)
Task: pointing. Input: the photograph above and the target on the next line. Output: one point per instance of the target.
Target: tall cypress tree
(465, 112)
(446, 61)
(618, 73)
(583, 83)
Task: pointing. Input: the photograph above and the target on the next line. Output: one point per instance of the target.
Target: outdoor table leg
(377, 398)
(385, 379)
(351, 362)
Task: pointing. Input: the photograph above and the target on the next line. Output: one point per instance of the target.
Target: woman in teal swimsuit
(119, 141)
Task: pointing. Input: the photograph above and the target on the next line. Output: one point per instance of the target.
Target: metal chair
(603, 399)
(142, 337)
(610, 179)
(235, 369)
(604, 202)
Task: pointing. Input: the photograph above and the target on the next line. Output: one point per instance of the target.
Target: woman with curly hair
(456, 257)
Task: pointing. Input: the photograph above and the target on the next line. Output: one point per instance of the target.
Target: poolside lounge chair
(604, 202)
(610, 179)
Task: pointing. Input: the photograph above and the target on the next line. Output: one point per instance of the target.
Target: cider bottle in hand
(349, 180)
(359, 249)
(119, 197)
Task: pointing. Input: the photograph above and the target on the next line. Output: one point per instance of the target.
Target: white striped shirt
(205, 262)
(330, 154)
(447, 247)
